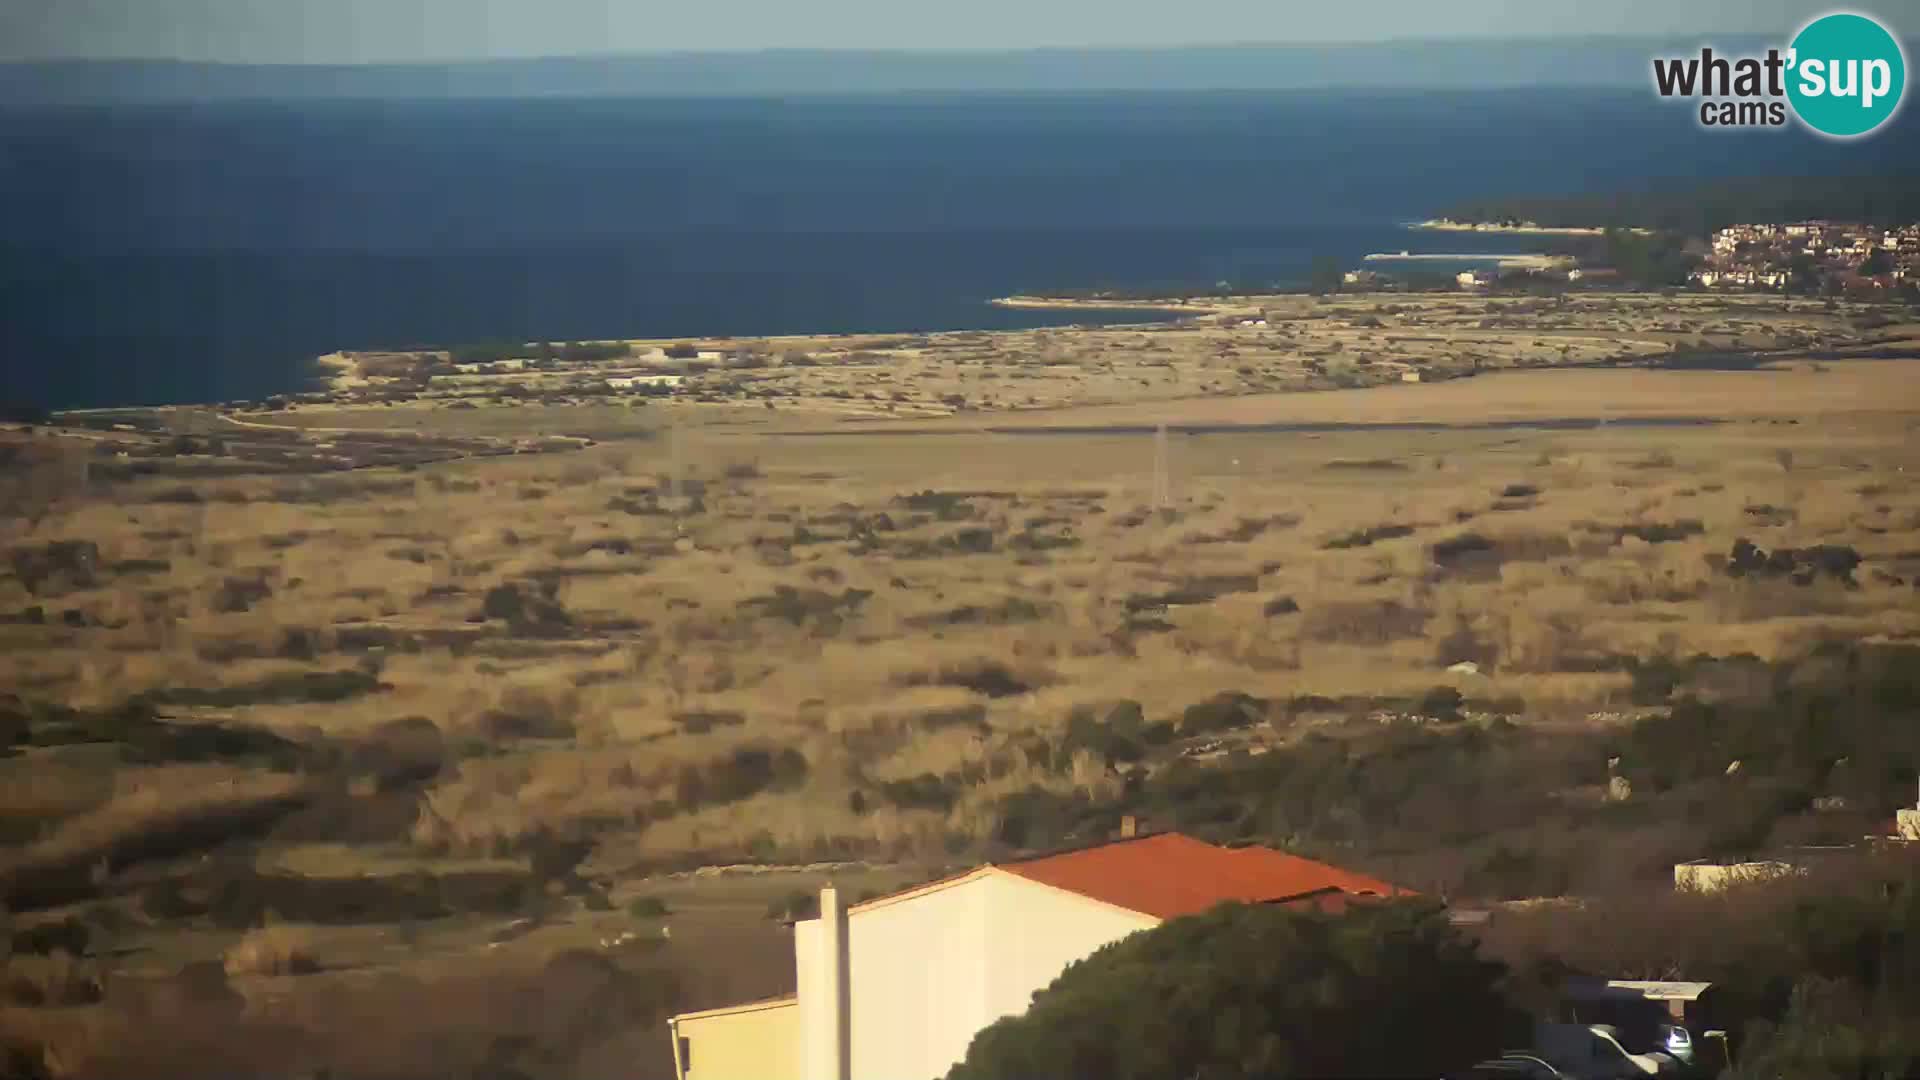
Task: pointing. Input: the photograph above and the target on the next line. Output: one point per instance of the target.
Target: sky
(370, 31)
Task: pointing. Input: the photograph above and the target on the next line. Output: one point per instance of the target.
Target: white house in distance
(629, 382)
(895, 988)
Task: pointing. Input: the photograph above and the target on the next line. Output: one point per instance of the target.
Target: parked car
(1593, 1052)
(1513, 1066)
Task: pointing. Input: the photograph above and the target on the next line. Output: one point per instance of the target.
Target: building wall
(1711, 877)
(760, 1043)
(929, 971)
(1906, 824)
(1036, 932)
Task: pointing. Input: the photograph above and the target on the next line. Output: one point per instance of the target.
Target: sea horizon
(171, 254)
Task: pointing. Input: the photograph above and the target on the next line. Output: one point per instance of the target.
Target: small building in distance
(1712, 875)
(489, 367)
(1905, 827)
(895, 988)
(633, 382)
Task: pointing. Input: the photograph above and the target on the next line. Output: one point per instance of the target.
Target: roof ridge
(1112, 841)
(1183, 875)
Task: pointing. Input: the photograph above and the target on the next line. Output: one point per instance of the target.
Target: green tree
(1803, 275)
(486, 353)
(1832, 1031)
(1245, 992)
(1325, 277)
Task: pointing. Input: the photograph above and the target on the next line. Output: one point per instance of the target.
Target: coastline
(1526, 228)
(1278, 343)
(1504, 262)
(1064, 303)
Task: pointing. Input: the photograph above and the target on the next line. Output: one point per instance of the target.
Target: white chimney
(830, 1043)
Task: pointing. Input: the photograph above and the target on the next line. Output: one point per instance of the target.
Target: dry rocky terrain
(317, 710)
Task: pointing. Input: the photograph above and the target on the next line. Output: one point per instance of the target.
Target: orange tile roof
(1169, 875)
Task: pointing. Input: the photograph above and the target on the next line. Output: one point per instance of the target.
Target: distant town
(1840, 256)
(1819, 258)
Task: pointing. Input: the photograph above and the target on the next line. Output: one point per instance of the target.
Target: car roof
(1517, 1065)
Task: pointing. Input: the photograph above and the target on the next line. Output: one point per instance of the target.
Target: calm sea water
(171, 254)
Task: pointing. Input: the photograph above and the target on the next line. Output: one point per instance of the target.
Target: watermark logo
(1844, 75)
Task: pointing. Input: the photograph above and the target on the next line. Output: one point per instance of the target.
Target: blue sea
(162, 254)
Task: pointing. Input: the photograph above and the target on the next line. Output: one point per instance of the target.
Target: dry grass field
(291, 750)
(1205, 348)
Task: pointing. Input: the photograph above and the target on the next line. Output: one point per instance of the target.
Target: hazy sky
(282, 31)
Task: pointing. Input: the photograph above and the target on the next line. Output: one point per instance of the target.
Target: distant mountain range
(1622, 63)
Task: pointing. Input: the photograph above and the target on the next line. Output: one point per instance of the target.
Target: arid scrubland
(288, 748)
(1218, 348)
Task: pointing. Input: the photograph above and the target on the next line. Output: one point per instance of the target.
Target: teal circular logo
(1846, 75)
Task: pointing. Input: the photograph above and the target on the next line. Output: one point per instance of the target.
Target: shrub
(648, 907)
(555, 858)
(742, 774)
(1801, 566)
(1368, 537)
(1832, 1030)
(1475, 555)
(1457, 549)
(1366, 465)
(971, 541)
(1362, 622)
(68, 935)
(1222, 712)
(400, 752)
(957, 716)
(75, 561)
(272, 950)
(1116, 739)
(1387, 990)
(282, 689)
(799, 904)
(55, 980)
(923, 792)
(699, 723)
(980, 675)
(525, 610)
(1442, 703)
(798, 606)
(1464, 643)
(525, 713)
(1195, 590)
(237, 594)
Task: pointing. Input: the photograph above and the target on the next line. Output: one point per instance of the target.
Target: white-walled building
(922, 971)
(629, 382)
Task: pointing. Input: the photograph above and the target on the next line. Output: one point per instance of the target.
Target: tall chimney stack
(835, 1046)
